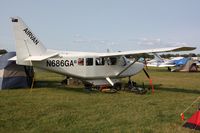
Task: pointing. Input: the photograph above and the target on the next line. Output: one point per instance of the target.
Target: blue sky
(97, 25)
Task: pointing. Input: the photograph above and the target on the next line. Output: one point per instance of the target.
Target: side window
(89, 61)
(81, 61)
(100, 61)
(112, 61)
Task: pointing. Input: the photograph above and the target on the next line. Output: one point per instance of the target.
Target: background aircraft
(159, 62)
(179, 63)
(89, 67)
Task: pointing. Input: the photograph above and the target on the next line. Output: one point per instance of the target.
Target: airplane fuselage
(90, 68)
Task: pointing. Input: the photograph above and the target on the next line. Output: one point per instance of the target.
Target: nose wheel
(131, 84)
(117, 86)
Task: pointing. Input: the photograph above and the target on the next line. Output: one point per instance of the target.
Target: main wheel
(117, 86)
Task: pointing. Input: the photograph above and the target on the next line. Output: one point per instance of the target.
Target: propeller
(146, 73)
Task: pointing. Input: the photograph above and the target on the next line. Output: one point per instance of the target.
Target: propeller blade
(146, 73)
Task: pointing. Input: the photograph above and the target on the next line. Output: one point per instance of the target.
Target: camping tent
(194, 121)
(13, 75)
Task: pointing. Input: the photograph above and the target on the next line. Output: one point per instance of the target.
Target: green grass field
(51, 107)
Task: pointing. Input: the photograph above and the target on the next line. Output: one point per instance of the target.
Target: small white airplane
(159, 62)
(89, 67)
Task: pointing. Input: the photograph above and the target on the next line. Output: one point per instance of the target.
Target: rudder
(27, 44)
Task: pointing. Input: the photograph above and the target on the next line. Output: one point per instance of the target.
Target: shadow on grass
(47, 84)
(182, 90)
(58, 85)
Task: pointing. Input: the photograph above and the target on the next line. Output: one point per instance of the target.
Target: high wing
(158, 50)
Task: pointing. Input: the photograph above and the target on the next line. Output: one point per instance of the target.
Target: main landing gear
(103, 88)
(88, 87)
(131, 86)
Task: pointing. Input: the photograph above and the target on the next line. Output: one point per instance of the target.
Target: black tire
(117, 86)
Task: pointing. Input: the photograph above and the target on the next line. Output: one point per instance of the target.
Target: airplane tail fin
(27, 44)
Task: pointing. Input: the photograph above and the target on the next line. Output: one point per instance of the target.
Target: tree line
(3, 51)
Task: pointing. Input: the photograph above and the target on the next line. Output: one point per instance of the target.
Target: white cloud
(177, 44)
(148, 41)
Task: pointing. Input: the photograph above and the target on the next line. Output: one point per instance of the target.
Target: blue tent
(181, 61)
(13, 75)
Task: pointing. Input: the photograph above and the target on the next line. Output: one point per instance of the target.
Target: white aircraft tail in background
(91, 68)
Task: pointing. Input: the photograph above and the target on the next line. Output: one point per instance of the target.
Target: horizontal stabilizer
(41, 57)
(36, 58)
(13, 58)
